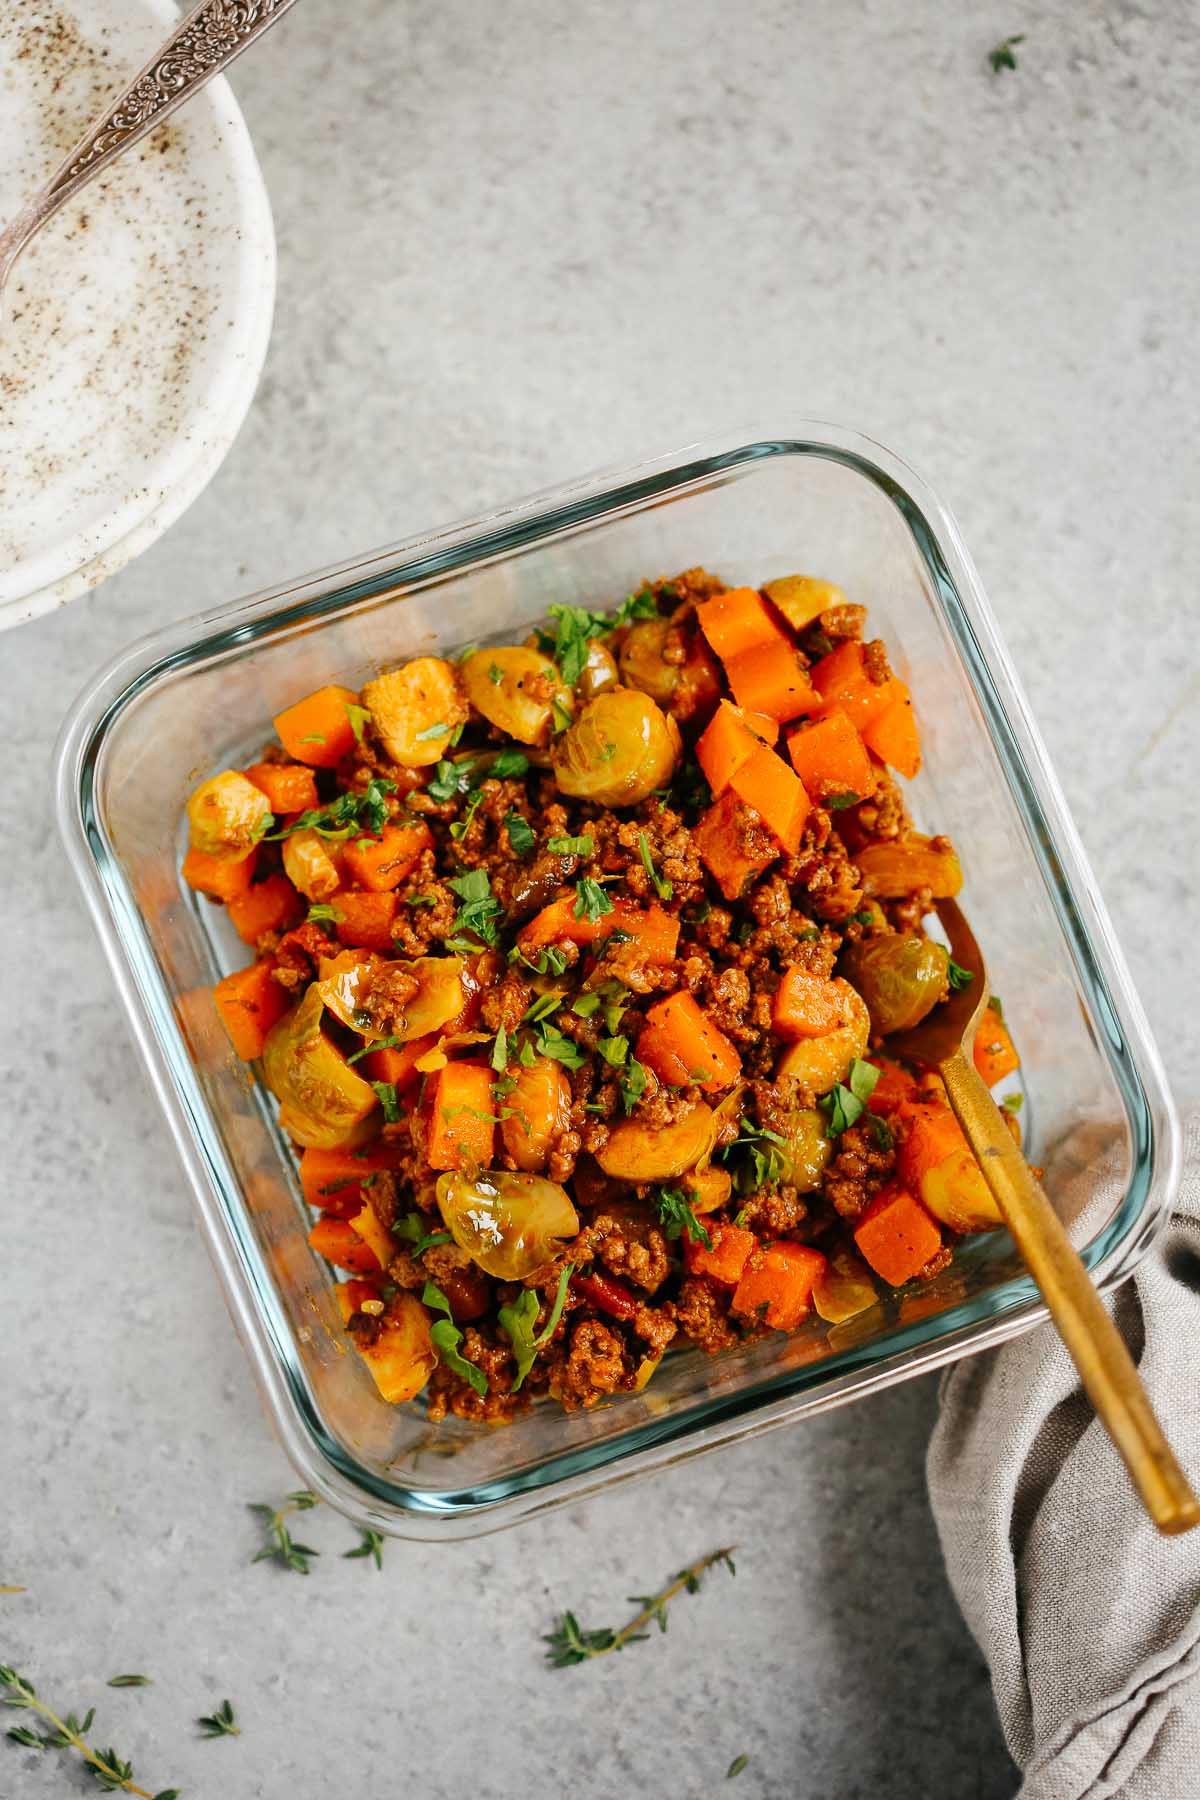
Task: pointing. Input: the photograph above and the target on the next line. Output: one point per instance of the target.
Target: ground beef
(635, 1251)
(862, 1164)
(875, 661)
(391, 991)
(845, 621)
(504, 1006)
(702, 1314)
(597, 1364)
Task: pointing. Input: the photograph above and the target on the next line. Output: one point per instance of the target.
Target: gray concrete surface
(515, 244)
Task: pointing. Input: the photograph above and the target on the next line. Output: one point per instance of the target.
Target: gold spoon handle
(1097, 1349)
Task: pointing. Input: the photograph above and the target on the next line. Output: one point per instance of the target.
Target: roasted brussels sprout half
(516, 690)
(900, 976)
(227, 815)
(620, 748)
(507, 1223)
(323, 1104)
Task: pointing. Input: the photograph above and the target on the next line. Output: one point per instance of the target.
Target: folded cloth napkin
(1089, 1619)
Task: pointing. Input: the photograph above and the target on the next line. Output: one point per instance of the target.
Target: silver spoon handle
(202, 45)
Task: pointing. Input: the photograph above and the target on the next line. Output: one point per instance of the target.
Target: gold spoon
(1106, 1369)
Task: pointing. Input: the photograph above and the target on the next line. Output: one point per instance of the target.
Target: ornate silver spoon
(202, 45)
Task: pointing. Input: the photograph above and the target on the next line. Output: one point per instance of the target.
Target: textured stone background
(517, 243)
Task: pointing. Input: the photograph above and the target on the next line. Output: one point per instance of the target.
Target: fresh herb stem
(281, 1547)
(112, 1772)
(570, 1644)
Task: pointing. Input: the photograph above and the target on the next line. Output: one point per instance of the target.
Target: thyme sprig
(220, 1723)
(571, 1644)
(281, 1546)
(112, 1773)
(372, 1546)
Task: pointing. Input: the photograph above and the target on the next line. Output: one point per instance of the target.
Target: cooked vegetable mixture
(575, 962)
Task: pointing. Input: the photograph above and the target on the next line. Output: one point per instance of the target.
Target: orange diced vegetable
(397, 1064)
(249, 1002)
(893, 735)
(220, 877)
(733, 844)
(772, 680)
(462, 1117)
(727, 742)
(777, 1283)
(763, 726)
(401, 1357)
(807, 1006)
(338, 1242)
(332, 1179)
(290, 787)
(932, 1133)
(731, 1248)
(993, 1050)
(382, 863)
(842, 680)
(831, 759)
(894, 1089)
(317, 729)
(366, 919)
(368, 1226)
(737, 621)
(683, 1047)
(270, 905)
(777, 795)
(655, 932)
(896, 1236)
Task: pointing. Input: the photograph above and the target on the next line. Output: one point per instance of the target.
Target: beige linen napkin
(1089, 1619)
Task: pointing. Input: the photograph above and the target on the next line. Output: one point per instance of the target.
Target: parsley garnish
(542, 1007)
(1001, 57)
(632, 1084)
(663, 888)
(510, 765)
(839, 802)
(327, 916)
(480, 910)
(585, 1006)
(350, 815)
(591, 901)
(441, 729)
(1012, 1103)
(959, 977)
(412, 1229)
(451, 778)
(570, 846)
(460, 827)
(568, 642)
(447, 1337)
(845, 1104)
(758, 1152)
(495, 674)
(387, 1043)
(386, 1090)
(675, 1215)
(559, 1048)
(614, 1050)
(359, 717)
(500, 1051)
(519, 1319)
(520, 833)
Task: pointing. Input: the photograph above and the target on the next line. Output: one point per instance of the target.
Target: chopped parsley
(1012, 1103)
(451, 778)
(663, 888)
(510, 765)
(844, 1105)
(386, 1092)
(568, 641)
(959, 977)
(359, 717)
(460, 828)
(676, 1216)
(386, 1043)
(570, 846)
(350, 815)
(632, 1083)
(558, 1047)
(412, 1229)
(543, 1007)
(839, 802)
(480, 909)
(585, 1005)
(520, 833)
(519, 1319)
(441, 729)
(591, 901)
(326, 916)
(495, 674)
(614, 1050)
(447, 1337)
(499, 1057)
(757, 1153)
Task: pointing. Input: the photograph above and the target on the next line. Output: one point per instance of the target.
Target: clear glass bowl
(199, 697)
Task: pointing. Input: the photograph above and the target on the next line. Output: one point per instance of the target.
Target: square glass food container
(199, 697)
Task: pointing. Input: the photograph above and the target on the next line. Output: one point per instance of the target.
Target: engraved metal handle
(202, 45)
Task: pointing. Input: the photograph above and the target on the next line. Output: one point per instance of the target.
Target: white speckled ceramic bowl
(136, 323)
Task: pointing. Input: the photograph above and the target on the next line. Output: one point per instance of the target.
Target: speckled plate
(136, 323)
